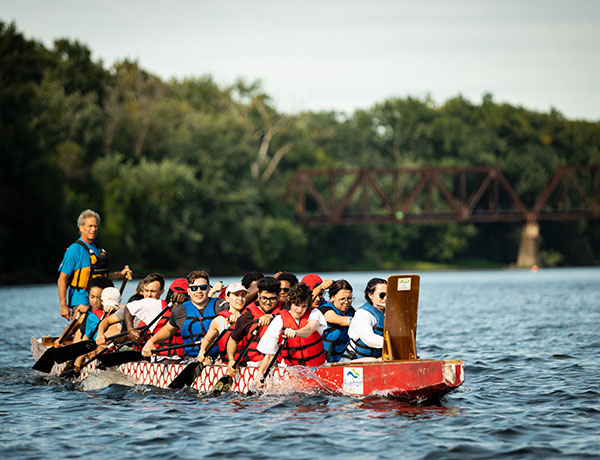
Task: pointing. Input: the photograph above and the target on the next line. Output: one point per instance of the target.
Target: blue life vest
(335, 337)
(196, 326)
(359, 349)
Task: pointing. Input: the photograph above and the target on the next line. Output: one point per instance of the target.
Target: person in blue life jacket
(366, 329)
(83, 261)
(338, 312)
(192, 318)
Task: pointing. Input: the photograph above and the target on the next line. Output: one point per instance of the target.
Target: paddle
(271, 365)
(69, 329)
(128, 356)
(400, 325)
(189, 373)
(123, 284)
(225, 382)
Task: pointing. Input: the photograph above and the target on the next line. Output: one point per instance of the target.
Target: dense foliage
(188, 174)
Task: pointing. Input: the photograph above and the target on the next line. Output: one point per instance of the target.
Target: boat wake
(96, 381)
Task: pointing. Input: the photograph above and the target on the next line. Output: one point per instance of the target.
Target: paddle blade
(223, 384)
(69, 352)
(46, 361)
(187, 376)
(120, 357)
(400, 326)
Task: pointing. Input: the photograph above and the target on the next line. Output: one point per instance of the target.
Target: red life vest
(175, 340)
(225, 338)
(253, 354)
(308, 351)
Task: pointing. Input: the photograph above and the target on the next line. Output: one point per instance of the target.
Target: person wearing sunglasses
(287, 281)
(366, 329)
(192, 318)
(338, 312)
(258, 315)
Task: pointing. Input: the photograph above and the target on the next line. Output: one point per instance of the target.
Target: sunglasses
(284, 290)
(202, 287)
(382, 295)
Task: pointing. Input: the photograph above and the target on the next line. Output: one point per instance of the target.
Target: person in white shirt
(302, 329)
(366, 328)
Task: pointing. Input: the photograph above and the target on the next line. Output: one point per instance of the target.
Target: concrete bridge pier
(529, 247)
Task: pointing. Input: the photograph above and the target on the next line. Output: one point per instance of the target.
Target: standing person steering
(83, 260)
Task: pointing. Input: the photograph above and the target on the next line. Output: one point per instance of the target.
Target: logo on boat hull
(353, 380)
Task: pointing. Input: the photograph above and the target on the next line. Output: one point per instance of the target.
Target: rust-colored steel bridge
(430, 195)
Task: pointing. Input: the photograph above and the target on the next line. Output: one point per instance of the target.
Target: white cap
(110, 297)
(235, 287)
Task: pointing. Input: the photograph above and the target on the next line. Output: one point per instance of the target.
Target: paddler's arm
(125, 273)
(303, 332)
(105, 324)
(63, 282)
(231, 349)
(166, 332)
(333, 318)
(133, 334)
(362, 327)
(262, 367)
(212, 332)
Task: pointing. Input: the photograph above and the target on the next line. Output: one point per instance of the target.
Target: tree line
(189, 173)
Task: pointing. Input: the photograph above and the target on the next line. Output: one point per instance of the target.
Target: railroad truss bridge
(452, 194)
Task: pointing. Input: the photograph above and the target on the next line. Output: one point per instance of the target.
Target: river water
(530, 342)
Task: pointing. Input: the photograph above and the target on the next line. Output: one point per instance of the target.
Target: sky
(345, 55)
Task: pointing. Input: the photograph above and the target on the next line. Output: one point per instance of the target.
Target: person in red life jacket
(255, 316)
(302, 325)
(192, 318)
(83, 261)
(142, 312)
(235, 296)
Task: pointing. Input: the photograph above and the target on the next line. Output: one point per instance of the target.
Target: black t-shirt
(179, 314)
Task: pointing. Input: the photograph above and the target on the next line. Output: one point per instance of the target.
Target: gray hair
(85, 214)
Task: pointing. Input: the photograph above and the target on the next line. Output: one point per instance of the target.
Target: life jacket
(223, 341)
(160, 323)
(301, 351)
(196, 326)
(359, 349)
(98, 267)
(335, 337)
(253, 354)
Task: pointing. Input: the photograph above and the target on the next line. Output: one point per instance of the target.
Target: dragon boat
(400, 374)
